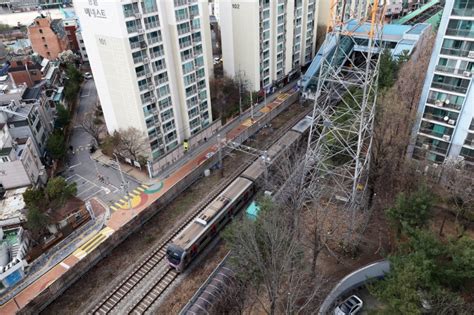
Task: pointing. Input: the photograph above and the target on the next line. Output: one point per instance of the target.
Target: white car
(350, 306)
(87, 75)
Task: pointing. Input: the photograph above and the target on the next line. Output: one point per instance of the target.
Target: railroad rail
(154, 260)
(147, 300)
(122, 290)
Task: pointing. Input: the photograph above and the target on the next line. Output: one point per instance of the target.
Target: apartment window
(181, 14)
(164, 90)
(164, 103)
(193, 112)
(197, 37)
(189, 79)
(41, 31)
(196, 23)
(167, 114)
(199, 61)
(188, 67)
(48, 53)
(194, 10)
(183, 28)
(45, 45)
(200, 73)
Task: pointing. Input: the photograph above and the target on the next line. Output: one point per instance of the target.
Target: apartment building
(48, 37)
(265, 42)
(151, 62)
(446, 109)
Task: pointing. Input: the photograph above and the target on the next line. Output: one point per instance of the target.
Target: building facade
(446, 109)
(264, 42)
(23, 70)
(151, 62)
(48, 37)
(20, 164)
(70, 26)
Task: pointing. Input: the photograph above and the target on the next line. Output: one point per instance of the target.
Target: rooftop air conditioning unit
(425, 146)
(148, 75)
(446, 137)
(146, 60)
(141, 31)
(471, 54)
(439, 103)
(467, 73)
(154, 99)
(451, 121)
(138, 15)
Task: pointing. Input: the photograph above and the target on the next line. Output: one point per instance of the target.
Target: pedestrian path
(130, 200)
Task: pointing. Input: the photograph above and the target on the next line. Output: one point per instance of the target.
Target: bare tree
(458, 181)
(133, 143)
(391, 171)
(93, 126)
(269, 258)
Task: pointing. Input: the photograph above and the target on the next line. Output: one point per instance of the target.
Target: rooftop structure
(12, 208)
(400, 39)
(13, 249)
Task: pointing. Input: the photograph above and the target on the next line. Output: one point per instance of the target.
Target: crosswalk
(125, 201)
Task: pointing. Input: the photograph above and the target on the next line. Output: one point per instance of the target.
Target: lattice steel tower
(345, 93)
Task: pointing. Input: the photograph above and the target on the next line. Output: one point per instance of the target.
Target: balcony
(184, 30)
(449, 87)
(456, 71)
(440, 118)
(460, 33)
(151, 25)
(458, 52)
(154, 40)
(185, 44)
(157, 54)
(160, 81)
(431, 147)
(463, 12)
(431, 132)
(443, 104)
(138, 59)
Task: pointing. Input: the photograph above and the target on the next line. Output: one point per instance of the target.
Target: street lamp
(124, 184)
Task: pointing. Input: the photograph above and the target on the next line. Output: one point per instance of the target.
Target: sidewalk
(224, 130)
(127, 169)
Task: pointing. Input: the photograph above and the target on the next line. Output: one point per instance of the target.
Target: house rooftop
(11, 207)
(71, 206)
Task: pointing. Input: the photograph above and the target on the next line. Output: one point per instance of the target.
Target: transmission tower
(345, 92)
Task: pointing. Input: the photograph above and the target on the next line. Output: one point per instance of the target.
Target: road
(86, 172)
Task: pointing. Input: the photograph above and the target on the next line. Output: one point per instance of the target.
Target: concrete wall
(353, 281)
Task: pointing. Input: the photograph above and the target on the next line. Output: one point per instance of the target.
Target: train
(198, 233)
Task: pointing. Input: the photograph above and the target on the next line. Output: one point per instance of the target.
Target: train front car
(176, 257)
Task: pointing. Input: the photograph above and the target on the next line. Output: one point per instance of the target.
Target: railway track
(154, 260)
(147, 300)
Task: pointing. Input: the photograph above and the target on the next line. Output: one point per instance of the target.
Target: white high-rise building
(446, 110)
(267, 41)
(151, 61)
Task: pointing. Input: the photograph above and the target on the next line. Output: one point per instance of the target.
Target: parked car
(350, 306)
(87, 75)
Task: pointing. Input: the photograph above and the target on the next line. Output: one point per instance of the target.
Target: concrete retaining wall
(353, 281)
(69, 277)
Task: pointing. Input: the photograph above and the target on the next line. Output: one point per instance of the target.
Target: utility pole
(240, 96)
(124, 184)
(219, 151)
(251, 106)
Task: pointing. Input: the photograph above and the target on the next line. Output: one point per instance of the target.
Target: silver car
(350, 306)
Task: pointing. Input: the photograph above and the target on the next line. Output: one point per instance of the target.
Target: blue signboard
(12, 278)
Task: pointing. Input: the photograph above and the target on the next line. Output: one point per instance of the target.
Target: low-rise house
(20, 163)
(23, 70)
